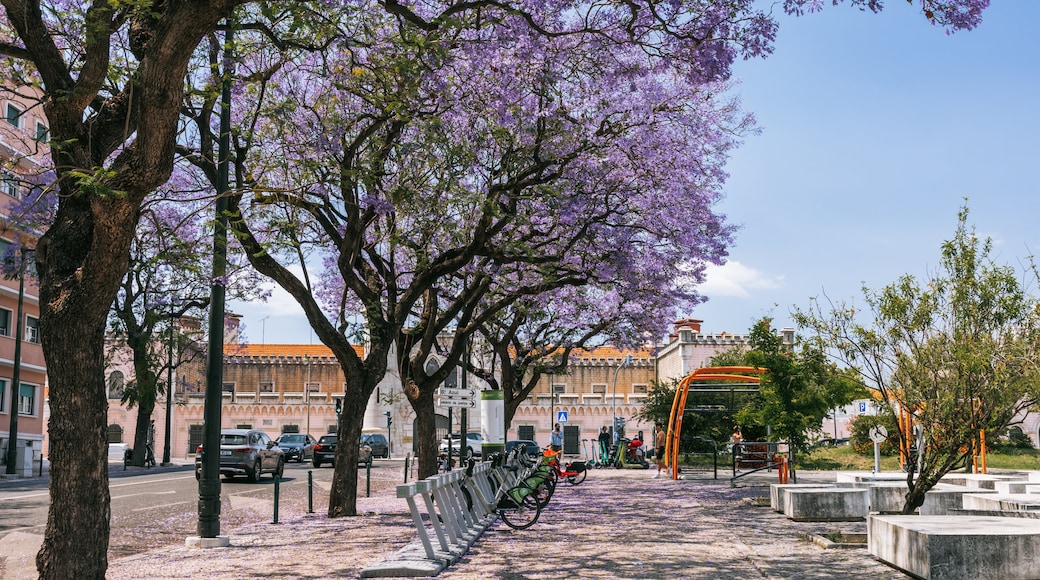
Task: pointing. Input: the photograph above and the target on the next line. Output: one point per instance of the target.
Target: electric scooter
(629, 455)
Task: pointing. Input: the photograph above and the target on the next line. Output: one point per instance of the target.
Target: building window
(3, 395)
(5, 322)
(14, 115)
(32, 329)
(116, 384)
(313, 387)
(115, 433)
(639, 389)
(266, 387)
(10, 185)
(290, 428)
(244, 426)
(559, 389)
(599, 389)
(42, 133)
(27, 400)
(228, 388)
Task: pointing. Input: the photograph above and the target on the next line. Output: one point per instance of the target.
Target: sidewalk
(617, 524)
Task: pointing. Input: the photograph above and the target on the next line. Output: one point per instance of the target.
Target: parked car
(532, 448)
(245, 452)
(296, 446)
(377, 441)
(474, 444)
(325, 452)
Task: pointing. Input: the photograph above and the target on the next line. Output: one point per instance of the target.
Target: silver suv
(246, 452)
(474, 445)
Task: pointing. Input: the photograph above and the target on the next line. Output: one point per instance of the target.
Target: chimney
(232, 323)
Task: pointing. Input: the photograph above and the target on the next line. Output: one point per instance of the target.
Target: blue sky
(875, 127)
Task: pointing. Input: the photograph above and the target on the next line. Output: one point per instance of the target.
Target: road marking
(168, 492)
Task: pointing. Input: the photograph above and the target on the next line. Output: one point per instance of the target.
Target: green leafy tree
(957, 352)
(798, 390)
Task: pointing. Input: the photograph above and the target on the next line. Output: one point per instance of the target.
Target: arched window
(115, 433)
(116, 382)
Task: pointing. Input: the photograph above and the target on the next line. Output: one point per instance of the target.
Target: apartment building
(23, 373)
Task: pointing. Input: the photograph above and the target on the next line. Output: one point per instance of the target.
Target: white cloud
(737, 280)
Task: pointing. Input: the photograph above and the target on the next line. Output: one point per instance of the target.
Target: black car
(246, 452)
(296, 446)
(377, 441)
(529, 446)
(325, 452)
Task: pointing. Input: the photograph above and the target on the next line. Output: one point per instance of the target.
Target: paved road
(618, 524)
(153, 508)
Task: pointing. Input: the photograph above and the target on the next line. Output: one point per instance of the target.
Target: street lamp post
(613, 399)
(16, 388)
(307, 388)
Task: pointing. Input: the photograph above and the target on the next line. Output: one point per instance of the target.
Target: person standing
(604, 447)
(659, 445)
(556, 439)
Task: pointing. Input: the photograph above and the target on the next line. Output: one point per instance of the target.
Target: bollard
(277, 482)
(368, 479)
(406, 458)
(310, 491)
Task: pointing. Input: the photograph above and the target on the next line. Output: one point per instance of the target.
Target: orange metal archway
(735, 374)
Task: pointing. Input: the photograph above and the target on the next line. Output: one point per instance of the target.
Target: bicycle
(574, 472)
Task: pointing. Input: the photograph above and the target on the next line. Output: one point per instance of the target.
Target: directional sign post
(878, 433)
(453, 393)
(465, 403)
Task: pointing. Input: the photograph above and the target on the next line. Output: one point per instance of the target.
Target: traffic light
(389, 421)
(339, 405)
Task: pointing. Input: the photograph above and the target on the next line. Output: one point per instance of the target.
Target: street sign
(878, 433)
(561, 417)
(862, 407)
(470, 403)
(456, 393)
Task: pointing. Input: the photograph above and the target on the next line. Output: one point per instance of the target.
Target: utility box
(24, 459)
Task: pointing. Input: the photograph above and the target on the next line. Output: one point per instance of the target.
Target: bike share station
(451, 510)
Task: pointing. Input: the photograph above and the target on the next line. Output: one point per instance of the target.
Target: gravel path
(617, 524)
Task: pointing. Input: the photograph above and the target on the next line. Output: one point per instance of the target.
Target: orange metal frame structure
(675, 419)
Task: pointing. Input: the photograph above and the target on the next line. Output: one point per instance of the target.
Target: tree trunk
(142, 432)
(81, 261)
(425, 430)
(343, 495)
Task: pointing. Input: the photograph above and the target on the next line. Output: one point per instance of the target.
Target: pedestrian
(556, 439)
(604, 446)
(659, 446)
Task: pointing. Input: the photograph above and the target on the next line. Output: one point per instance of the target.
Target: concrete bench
(957, 547)
(778, 493)
(1024, 502)
(827, 504)
(945, 500)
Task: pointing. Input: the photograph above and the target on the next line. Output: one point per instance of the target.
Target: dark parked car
(529, 446)
(325, 452)
(296, 446)
(377, 441)
(245, 452)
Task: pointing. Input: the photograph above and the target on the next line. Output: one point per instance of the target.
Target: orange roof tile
(289, 350)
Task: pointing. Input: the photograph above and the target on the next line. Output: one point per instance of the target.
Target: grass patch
(843, 458)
